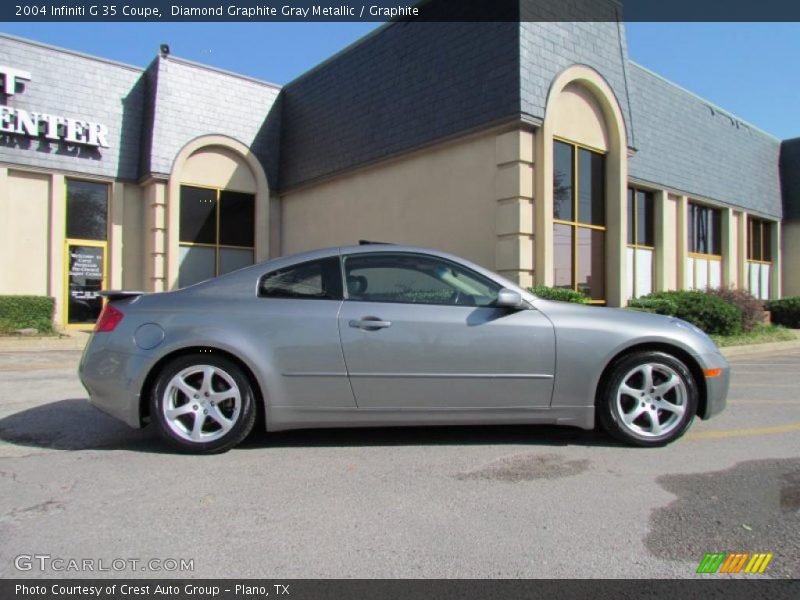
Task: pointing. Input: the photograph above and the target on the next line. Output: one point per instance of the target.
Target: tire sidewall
(610, 418)
(238, 432)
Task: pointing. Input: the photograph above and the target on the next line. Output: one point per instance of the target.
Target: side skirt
(281, 418)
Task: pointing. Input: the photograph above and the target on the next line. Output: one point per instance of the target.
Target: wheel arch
(676, 351)
(155, 370)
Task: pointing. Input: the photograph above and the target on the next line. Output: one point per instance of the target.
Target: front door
(420, 332)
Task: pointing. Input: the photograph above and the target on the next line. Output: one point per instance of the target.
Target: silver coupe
(384, 335)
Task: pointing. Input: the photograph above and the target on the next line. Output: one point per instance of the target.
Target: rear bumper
(716, 387)
(113, 380)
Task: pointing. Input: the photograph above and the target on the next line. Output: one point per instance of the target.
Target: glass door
(85, 252)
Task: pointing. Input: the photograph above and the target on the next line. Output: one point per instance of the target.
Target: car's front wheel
(650, 399)
(203, 403)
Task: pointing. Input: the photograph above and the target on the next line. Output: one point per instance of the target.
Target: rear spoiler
(113, 295)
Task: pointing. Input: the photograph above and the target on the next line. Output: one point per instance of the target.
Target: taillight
(109, 319)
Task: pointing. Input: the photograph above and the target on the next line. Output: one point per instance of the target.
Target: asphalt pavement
(468, 502)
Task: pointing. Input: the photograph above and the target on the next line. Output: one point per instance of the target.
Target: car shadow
(74, 424)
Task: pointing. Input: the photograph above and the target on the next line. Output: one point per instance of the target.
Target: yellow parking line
(796, 402)
(780, 385)
(736, 371)
(750, 431)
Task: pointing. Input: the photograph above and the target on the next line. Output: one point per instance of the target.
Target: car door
(298, 309)
(419, 331)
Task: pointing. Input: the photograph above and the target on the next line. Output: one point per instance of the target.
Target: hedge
(785, 312)
(560, 294)
(22, 312)
(751, 307)
(707, 311)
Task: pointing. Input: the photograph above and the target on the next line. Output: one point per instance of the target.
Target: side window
(415, 279)
(317, 279)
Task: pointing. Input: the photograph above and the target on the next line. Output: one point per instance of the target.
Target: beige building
(568, 173)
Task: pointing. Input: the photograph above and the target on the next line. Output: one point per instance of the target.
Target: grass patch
(762, 334)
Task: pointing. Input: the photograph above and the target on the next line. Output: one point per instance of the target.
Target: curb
(732, 351)
(73, 341)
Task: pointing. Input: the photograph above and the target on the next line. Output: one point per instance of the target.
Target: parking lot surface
(471, 502)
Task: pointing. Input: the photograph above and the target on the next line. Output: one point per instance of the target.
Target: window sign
(86, 269)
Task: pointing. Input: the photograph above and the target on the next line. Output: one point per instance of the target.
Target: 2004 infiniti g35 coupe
(380, 335)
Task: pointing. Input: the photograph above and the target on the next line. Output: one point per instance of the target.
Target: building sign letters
(38, 124)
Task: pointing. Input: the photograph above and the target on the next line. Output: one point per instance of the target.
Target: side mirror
(507, 298)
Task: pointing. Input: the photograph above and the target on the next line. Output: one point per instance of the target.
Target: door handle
(370, 323)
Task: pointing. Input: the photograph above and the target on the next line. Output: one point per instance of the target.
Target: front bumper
(716, 387)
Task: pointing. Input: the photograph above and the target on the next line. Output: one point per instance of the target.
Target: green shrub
(21, 312)
(751, 307)
(561, 294)
(710, 313)
(785, 312)
(659, 306)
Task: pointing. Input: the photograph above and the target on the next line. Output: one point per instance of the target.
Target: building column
(661, 197)
(775, 273)
(729, 254)
(741, 262)
(682, 241)
(514, 216)
(115, 241)
(58, 220)
(155, 201)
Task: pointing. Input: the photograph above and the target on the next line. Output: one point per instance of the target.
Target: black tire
(645, 415)
(225, 378)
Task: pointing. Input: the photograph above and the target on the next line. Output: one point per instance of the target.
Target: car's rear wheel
(203, 403)
(650, 399)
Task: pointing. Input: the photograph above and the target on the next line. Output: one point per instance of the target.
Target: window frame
(692, 231)
(633, 191)
(765, 227)
(472, 273)
(217, 247)
(70, 241)
(575, 224)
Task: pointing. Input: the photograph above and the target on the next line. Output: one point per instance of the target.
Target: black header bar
(385, 10)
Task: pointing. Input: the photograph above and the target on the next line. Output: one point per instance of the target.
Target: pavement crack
(35, 510)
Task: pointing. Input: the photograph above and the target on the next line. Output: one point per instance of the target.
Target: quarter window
(315, 280)
(415, 279)
(217, 233)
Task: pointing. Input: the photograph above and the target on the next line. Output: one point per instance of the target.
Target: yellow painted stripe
(758, 563)
(767, 558)
(736, 372)
(746, 432)
(780, 385)
(795, 402)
